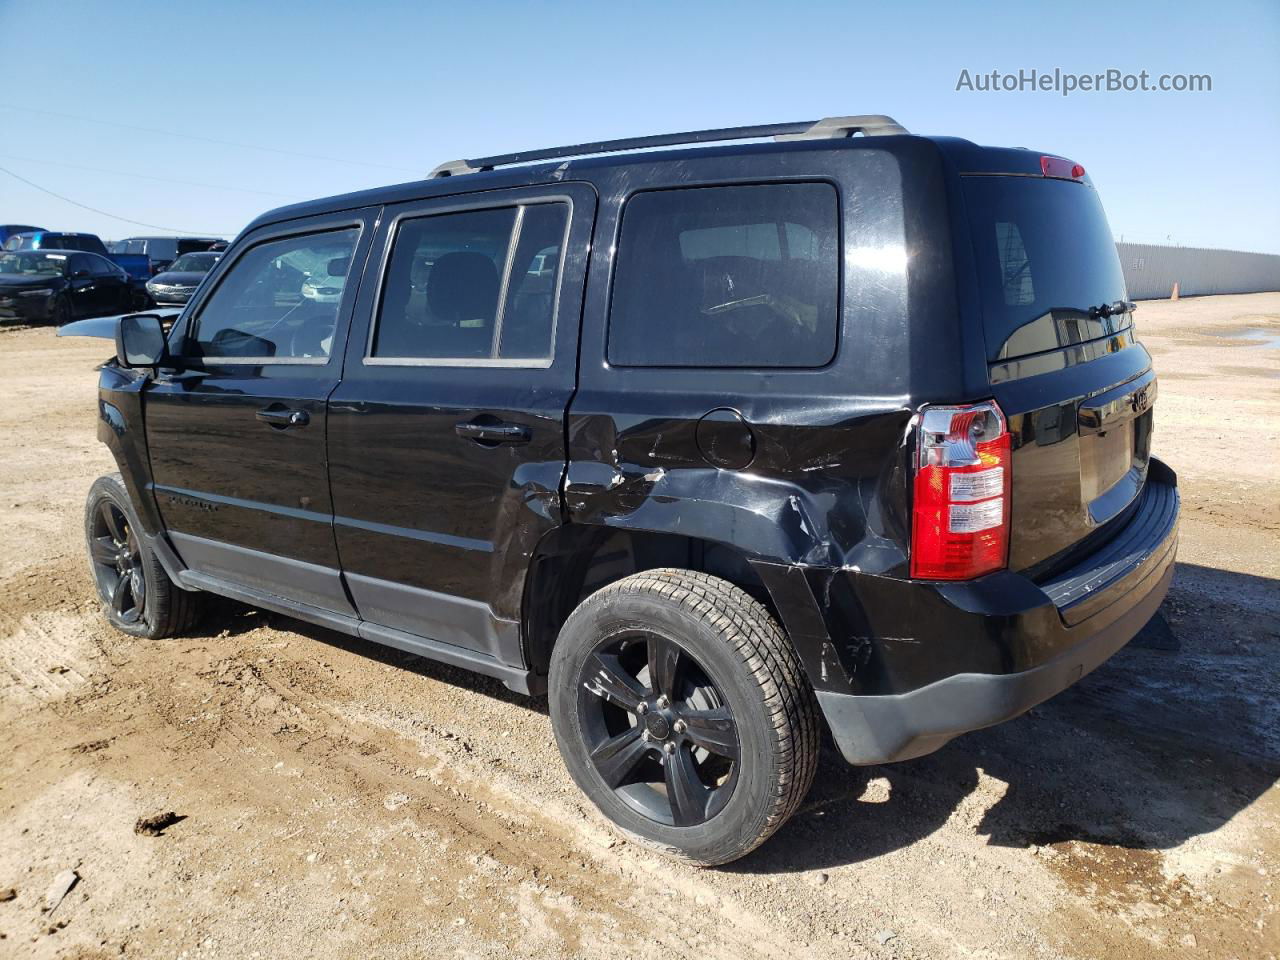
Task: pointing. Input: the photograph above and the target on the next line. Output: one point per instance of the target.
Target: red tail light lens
(960, 515)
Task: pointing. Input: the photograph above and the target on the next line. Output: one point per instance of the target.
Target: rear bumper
(1002, 644)
(884, 729)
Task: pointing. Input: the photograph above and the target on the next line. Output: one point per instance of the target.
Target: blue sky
(299, 100)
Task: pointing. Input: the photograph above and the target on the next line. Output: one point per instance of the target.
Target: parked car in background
(135, 266)
(179, 282)
(9, 229)
(162, 251)
(63, 285)
(326, 285)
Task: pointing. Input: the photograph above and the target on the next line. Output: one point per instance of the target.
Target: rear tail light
(960, 514)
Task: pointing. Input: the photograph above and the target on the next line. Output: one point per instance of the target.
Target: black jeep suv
(710, 443)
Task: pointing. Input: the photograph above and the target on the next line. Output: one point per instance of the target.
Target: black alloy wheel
(658, 730)
(138, 597)
(116, 556)
(683, 713)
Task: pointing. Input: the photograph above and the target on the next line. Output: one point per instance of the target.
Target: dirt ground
(340, 800)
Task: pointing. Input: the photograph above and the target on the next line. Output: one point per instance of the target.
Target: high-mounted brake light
(1060, 168)
(960, 514)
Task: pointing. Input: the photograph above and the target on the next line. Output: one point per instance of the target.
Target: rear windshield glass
(1045, 258)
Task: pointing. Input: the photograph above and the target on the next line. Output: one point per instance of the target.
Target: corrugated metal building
(1150, 271)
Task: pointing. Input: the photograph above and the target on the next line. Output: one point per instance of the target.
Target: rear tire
(682, 712)
(137, 596)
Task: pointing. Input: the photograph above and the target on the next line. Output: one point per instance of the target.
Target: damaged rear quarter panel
(826, 487)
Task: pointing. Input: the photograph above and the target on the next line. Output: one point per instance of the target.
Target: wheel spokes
(103, 551)
(114, 521)
(120, 592)
(686, 793)
(663, 712)
(610, 681)
(664, 666)
(712, 730)
(618, 757)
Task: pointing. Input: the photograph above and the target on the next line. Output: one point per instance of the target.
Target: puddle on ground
(1259, 337)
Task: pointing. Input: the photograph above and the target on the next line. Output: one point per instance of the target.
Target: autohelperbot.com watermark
(1065, 83)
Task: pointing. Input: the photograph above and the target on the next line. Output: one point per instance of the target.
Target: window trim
(495, 203)
(288, 232)
(737, 368)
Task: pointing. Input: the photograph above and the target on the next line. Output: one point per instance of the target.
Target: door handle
(493, 433)
(284, 418)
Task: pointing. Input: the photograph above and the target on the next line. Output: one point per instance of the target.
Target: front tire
(61, 311)
(138, 598)
(682, 712)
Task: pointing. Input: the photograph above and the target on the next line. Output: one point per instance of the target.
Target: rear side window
(278, 301)
(478, 285)
(734, 276)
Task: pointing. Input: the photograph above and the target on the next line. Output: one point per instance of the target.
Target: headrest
(463, 286)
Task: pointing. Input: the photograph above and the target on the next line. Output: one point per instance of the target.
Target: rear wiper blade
(1117, 309)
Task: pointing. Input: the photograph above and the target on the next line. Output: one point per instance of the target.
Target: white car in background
(326, 287)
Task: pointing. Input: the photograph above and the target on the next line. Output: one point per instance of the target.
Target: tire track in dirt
(507, 871)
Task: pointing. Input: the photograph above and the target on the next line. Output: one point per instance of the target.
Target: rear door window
(732, 276)
(474, 286)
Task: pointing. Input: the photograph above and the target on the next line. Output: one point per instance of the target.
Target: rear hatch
(1062, 359)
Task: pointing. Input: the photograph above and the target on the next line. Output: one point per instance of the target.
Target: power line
(143, 176)
(193, 136)
(103, 213)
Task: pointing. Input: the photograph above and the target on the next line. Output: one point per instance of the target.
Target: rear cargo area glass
(1044, 253)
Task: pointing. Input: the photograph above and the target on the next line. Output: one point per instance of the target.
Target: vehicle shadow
(1169, 739)
(230, 618)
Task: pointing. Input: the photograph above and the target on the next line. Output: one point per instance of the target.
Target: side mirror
(140, 341)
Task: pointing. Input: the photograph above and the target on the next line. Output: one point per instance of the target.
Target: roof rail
(829, 128)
